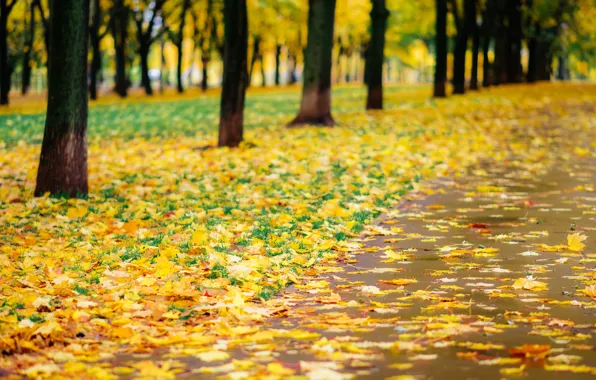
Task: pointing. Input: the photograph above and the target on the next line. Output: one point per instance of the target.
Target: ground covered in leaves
(179, 261)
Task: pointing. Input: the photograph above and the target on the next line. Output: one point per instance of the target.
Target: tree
(95, 36)
(146, 36)
(514, 66)
(376, 54)
(441, 50)
(488, 21)
(178, 38)
(6, 7)
(63, 160)
(45, 22)
(119, 27)
(461, 43)
(28, 51)
(475, 31)
(315, 106)
(235, 75)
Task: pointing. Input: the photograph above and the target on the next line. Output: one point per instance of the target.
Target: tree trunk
(96, 54)
(255, 56)
(487, 33)
(26, 78)
(475, 30)
(145, 80)
(291, 68)
(235, 76)
(179, 43)
(263, 78)
(120, 34)
(205, 78)
(533, 54)
(500, 65)
(4, 69)
(461, 46)
(441, 50)
(179, 84)
(562, 72)
(63, 160)
(315, 106)
(376, 55)
(514, 66)
(277, 63)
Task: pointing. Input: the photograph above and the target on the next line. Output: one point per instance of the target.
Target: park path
(470, 277)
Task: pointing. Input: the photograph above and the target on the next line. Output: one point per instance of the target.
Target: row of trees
(127, 34)
(500, 28)
(63, 162)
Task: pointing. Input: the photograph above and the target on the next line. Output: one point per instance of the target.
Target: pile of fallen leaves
(178, 245)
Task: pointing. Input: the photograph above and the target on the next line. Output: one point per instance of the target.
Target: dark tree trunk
(178, 42)
(119, 30)
(514, 66)
(376, 55)
(145, 39)
(501, 51)
(255, 56)
(441, 50)
(277, 63)
(291, 68)
(461, 46)
(475, 50)
(145, 80)
(96, 53)
(488, 22)
(26, 78)
(235, 76)
(315, 106)
(533, 54)
(263, 79)
(46, 27)
(63, 160)
(205, 78)
(562, 72)
(5, 71)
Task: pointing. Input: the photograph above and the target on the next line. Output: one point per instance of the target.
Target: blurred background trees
(150, 44)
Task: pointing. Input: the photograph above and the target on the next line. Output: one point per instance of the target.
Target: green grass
(186, 117)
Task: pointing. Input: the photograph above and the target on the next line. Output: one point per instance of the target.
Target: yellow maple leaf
(76, 212)
(528, 283)
(200, 236)
(399, 281)
(574, 242)
(163, 267)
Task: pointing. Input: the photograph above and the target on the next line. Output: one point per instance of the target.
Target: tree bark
(475, 30)
(255, 56)
(376, 55)
(235, 76)
(441, 50)
(501, 51)
(26, 73)
(178, 42)
(514, 66)
(277, 63)
(461, 46)
(205, 71)
(487, 34)
(63, 160)
(315, 106)
(533, 53)
(5, 70)
(263, 78)
(95, 51)
(145, 80)
(119, 29)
